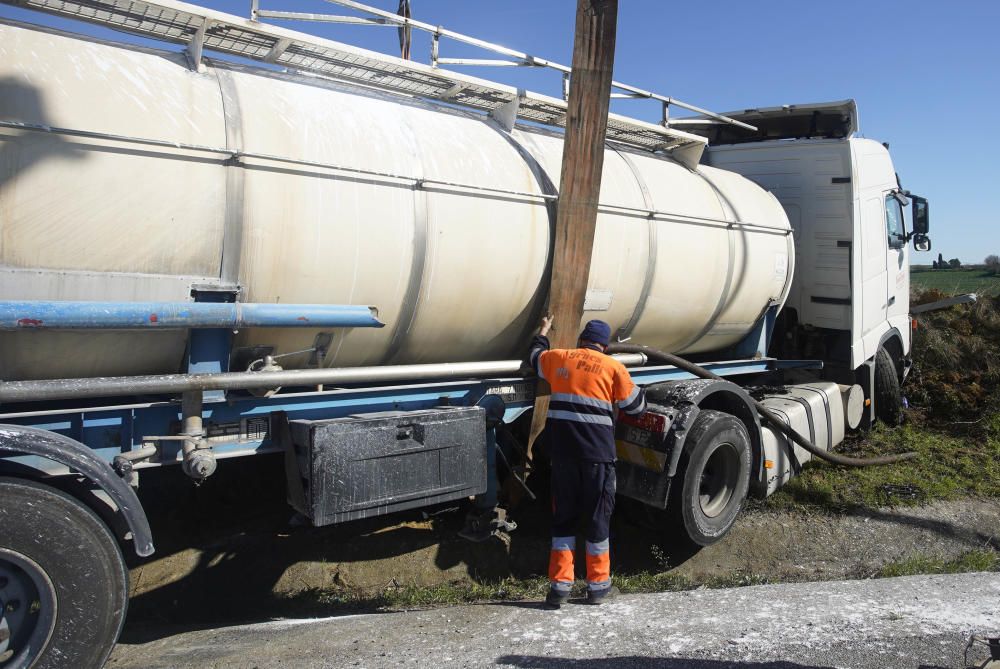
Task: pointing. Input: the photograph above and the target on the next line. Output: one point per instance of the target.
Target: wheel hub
(27, 609)
(719, 480)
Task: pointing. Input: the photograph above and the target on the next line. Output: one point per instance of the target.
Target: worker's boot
(598, 597)
(556, 598)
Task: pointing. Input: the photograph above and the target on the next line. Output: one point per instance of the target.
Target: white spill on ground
(903, 622)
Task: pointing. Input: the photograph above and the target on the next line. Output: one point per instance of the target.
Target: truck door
(874, 255)
(897, 268)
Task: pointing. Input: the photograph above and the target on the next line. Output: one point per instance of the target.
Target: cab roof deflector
(818, 120)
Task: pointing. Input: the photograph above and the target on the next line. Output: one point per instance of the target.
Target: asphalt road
(912, 622)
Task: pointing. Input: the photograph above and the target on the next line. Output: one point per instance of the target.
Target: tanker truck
(300, 247)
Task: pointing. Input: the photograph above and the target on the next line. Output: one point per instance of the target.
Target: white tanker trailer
(439, 218)
(339, 255)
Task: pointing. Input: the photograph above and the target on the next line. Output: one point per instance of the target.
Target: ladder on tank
(203, 29)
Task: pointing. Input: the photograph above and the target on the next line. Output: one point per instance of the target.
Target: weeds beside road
(535, 588)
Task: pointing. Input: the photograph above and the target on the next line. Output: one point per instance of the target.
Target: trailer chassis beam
(238, 425)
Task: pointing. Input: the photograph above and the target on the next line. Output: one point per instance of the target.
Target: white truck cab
(849, 298)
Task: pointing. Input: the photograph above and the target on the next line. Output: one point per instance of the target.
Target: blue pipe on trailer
(29, 315)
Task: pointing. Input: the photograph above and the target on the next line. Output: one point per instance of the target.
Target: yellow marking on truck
(638, 455)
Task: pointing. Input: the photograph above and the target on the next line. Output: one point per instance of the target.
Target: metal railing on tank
(373, 16)
(201, 29)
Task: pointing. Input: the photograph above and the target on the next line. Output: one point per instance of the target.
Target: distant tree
(992, 263)
(940, 262)
(934, 265)
(955, 263)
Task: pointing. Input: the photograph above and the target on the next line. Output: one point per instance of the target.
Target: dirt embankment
(796, 546)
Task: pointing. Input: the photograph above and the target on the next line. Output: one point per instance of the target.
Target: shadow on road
(227, 553)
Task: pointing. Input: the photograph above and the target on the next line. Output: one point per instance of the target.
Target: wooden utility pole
(580, 184)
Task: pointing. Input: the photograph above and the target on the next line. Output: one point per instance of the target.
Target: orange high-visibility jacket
(587, 386)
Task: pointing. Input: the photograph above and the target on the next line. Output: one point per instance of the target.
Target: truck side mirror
(921, 215)
(921, 242)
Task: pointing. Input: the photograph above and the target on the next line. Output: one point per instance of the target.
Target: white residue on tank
(135, 73)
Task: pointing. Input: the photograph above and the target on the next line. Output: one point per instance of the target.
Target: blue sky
(926, 75)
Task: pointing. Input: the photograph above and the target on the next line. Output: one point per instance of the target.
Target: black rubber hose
(691, 368)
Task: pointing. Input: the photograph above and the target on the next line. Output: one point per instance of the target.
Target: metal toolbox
(377, 463)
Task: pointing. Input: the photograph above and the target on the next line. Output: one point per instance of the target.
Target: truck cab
(849, 297)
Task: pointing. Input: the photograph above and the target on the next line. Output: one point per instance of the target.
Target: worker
(587, 386)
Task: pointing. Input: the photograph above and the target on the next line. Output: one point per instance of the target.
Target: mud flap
(865, 377)
(295, 487)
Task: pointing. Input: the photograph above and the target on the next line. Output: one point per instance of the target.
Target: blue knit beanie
(598, 332)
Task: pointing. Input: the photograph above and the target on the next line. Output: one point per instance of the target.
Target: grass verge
(509, 589)
(534, 589)
(975, 560)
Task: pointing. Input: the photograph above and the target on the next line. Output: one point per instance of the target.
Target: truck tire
(63, 581)
(712, 479)
(888, 396)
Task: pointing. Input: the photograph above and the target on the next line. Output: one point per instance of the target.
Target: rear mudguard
(20, 440)
(685, 400)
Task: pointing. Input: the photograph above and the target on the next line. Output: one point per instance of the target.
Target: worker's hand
(546, 325)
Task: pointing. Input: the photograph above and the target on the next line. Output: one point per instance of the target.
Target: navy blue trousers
(581, 488)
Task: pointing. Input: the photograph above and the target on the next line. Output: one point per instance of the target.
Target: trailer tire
(888, 395)
(63, 572)
(712, 479)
